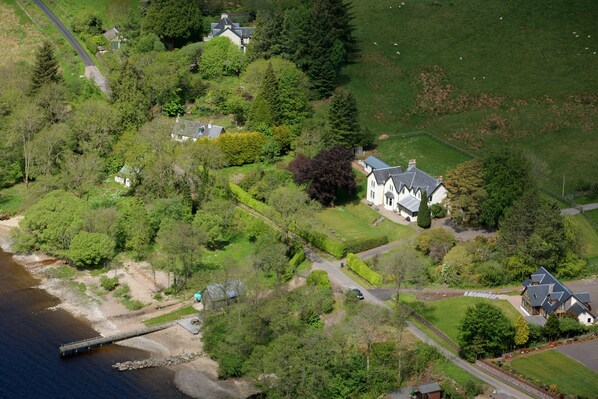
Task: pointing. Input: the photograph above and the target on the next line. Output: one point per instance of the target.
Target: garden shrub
(438, 211)
(241, 148)
(359, 267)
(319, 278)
(108, 283)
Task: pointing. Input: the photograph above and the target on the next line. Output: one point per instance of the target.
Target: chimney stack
(411, 164)
(209, 124)
(222, 16)
(439, 179)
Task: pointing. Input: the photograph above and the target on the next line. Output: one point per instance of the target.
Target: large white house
(401, 191)
(226, 27)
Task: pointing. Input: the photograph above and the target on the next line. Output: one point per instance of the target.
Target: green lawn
(353, 221)
(447, 314)
(12, 199)
(239, 251)
(553, 367)
(491, 48)
(589, 235)
(432, 156)
(455, 372)
(175, 315)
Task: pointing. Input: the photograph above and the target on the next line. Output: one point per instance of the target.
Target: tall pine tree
(343, 121)
(46, 69)
(321, 66)
(265, 41)
(269, 91)
(423, 214)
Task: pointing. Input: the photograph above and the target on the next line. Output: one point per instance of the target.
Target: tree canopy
(46, 69)
(175, 21)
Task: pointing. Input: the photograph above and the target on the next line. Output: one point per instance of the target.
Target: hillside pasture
(483, 75)
(432, 156)
(18, 35)
(112, 12)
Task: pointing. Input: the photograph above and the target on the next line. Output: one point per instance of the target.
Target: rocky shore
(196, 375)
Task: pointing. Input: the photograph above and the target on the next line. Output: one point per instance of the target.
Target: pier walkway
(92, 343)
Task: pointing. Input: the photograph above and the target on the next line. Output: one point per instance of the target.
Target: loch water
(30, 365)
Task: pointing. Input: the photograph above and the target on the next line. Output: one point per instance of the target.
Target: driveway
(91, 70)
(578, 209)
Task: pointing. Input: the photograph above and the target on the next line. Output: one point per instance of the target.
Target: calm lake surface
(30, 365)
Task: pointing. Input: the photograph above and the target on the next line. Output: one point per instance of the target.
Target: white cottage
(226, 27)
(401, 191)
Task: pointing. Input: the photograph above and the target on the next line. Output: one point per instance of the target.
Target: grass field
(354, 222)
(12, 199)
(447, 314)
(588, 233)
(483, 75)
(112, 12)
(571, 377)
(432, 156)
(18, 35)
(175, 315)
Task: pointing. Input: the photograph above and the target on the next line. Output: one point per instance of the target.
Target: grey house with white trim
(401, 190)
(185, 130)
(544, 294)
(237, 34)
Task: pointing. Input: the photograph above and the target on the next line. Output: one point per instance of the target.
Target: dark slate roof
(217, 28)
(583, 297)
(196, 130)
(410, 202)
(221, 291)
(537, 294)
(382, 174)
(548, 287)
(415, 179)
(577, 309)
(376, 163)
(429, 387)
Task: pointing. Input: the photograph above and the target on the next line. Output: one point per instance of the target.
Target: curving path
(91, 70)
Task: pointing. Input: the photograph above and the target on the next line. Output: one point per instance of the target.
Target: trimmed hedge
(359, 267)
(322, 241)
(245, 198)
(355, 246)
(241, 148)
(298, 258)
(319, 278)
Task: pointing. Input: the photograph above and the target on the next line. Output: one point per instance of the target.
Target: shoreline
(106, 315)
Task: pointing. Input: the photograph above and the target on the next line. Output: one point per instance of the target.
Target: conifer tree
(265, 39)
(521, 331)
(320, 66)
(343, 121)
(423, 214)
(46, 69)
(269, 92)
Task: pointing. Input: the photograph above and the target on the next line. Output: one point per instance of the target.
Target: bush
(438, 211)
(241, 148)
(359, 267)
(123, 291)
(319, 278)
(322, 241)
(109, 284)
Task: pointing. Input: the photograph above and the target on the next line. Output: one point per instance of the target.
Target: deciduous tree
(466, 193)
(484, 331)
(90, 249)
(403, 266)
(521, 331)
(220, 58)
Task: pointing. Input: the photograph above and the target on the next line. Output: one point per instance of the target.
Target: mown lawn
(483, 47)
(353, 221)
(552, 367)
(447, 314)
(432, 156)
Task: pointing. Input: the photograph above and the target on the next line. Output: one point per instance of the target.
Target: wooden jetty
(92, 343)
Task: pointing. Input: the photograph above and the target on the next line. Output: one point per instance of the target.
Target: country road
(91, 70)
(344, 282)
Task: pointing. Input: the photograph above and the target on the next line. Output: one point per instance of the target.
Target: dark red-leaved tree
(327, 175)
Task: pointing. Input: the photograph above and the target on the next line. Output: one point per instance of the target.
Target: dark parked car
(357, 292)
